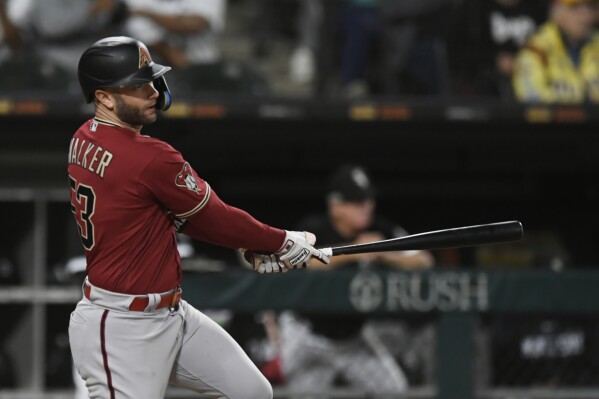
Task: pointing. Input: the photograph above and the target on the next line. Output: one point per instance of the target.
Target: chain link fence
(534, 351)
(516, 356)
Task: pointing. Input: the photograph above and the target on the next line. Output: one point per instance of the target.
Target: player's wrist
(282, 235)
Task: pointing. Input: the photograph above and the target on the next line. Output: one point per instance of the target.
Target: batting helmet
(121, 61)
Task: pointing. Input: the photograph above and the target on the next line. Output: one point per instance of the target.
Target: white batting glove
(264, 263)
(297, 250)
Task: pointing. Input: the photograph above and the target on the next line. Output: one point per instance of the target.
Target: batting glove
(297, 250)
(264, 263)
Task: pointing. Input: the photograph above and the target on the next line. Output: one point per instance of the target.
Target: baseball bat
(448, 238)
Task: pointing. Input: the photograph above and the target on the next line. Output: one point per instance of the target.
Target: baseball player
(132, 333)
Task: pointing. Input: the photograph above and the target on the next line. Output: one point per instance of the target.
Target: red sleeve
(227, 226)
(174, 183)
(199, 212)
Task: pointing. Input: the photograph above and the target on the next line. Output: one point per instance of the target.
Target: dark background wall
(430, 174)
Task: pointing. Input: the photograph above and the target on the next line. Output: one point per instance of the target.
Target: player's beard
(131, 115)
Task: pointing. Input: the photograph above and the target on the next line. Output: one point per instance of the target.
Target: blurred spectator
(392, 47)
(273, 19)
(359, 47)
(485, 37)
(351, 219)
(558, 64)
(9, 34)
(60, 29)
(413, 46)
(302, 64)
(181, 32)
(47, 37)
(317, 349)
(184, 33)
(360, 25)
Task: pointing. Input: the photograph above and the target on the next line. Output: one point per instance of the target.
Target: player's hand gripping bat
(449, 238)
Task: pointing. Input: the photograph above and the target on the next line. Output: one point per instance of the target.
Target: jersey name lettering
(89, 156)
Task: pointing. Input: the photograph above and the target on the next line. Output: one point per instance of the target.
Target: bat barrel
(448, 238)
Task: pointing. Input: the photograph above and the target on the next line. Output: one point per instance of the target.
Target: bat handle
(327, 251)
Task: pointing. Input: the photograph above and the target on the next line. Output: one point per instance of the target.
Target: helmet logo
(186, 179)
(144, 57)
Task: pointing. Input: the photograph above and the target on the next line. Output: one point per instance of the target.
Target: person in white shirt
(180, 32)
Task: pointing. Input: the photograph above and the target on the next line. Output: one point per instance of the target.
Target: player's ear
(105, 98)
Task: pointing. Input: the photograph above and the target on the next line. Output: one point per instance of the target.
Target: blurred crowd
(43, 40)
(535, 51)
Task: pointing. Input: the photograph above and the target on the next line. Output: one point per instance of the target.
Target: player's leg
(125, 355)
(212, 363)
(81, 391)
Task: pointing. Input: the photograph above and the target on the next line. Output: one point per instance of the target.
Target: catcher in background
(319, 349)
(132, 333)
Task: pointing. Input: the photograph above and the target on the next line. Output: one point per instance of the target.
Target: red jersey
(127, 192)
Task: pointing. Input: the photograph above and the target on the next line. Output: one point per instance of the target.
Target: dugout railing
(457, 300)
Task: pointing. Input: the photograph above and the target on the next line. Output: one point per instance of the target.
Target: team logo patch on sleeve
(186, 179)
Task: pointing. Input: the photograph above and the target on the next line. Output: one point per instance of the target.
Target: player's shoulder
(154, 144)
(153, 148)
(85, 127)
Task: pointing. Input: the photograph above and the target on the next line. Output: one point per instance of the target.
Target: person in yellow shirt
(560, 62)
